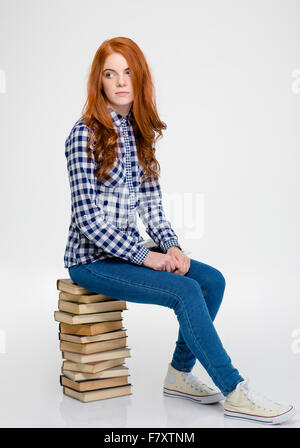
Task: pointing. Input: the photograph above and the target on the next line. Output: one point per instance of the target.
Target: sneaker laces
(254, 397)
(189, 378)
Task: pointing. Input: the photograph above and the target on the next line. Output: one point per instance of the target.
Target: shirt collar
(118, 119)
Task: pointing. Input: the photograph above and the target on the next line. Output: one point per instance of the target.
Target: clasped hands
(174, 261)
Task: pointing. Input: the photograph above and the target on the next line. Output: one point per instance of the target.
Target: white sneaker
(185, 385)
(245, 404)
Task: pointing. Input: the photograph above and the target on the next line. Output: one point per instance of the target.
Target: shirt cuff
(169, 243)
(139, 255)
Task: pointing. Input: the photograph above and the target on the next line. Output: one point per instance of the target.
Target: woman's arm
(151, 212)
(88, 215)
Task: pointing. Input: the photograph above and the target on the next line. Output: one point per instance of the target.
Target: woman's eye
(107, 74)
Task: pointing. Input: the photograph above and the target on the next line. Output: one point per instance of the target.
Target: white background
(227, 79)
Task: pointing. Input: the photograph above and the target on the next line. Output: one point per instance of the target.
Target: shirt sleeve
(151, 212)
(89, 217)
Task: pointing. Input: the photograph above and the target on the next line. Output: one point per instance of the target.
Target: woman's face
(116, 77)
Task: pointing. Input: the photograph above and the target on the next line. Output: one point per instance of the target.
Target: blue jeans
(195, 298)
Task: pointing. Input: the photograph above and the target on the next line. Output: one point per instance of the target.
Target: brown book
(92, 347)
(70, 318)
(91, 367)
(98, 337)
(67, 285)
(91, 329)
(87, 308)
(107, 373)
(99, 394)
(99, 356)
(86, 385)
(83, 298)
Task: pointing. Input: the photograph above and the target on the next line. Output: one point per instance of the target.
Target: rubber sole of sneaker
(206, 399)
(261, 419)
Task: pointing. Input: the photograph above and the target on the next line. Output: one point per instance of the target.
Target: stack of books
(92, 343)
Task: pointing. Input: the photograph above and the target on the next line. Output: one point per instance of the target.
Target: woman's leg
(123, 280)
(212, 284)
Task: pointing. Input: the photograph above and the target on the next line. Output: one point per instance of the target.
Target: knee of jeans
(220, 281)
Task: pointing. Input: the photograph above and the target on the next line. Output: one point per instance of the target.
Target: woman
(113, 173)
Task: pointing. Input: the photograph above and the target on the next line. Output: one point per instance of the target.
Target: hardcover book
(99, 394)
(92, 347)
(70, 318)
(91, 367)
(91, 329)
(96, 357)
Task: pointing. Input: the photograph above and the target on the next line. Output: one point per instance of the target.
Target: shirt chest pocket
(113, 199)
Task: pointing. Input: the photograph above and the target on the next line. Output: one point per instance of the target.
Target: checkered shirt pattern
(103, 214)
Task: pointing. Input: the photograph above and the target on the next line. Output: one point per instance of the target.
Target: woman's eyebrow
(110, 69)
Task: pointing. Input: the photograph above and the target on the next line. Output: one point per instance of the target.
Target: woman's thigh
(123, 280)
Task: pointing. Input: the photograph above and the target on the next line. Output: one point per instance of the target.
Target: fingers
(177, 265)
(183, 267)
(170, 267)
(169, 264)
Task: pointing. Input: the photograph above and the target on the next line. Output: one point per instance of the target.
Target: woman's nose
(121, 81)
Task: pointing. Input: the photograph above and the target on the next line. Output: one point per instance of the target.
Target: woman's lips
(122, 93)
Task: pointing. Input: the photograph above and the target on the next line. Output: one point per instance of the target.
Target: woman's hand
(159, 262)
(173, 261)
(181, 260)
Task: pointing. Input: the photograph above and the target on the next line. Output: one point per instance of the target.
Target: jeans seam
(195, 340)
(184, 359)
(182, 303)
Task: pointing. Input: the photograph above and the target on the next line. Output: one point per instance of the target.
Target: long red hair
(146, 124)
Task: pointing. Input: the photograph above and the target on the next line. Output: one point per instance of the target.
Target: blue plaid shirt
(103, 214)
